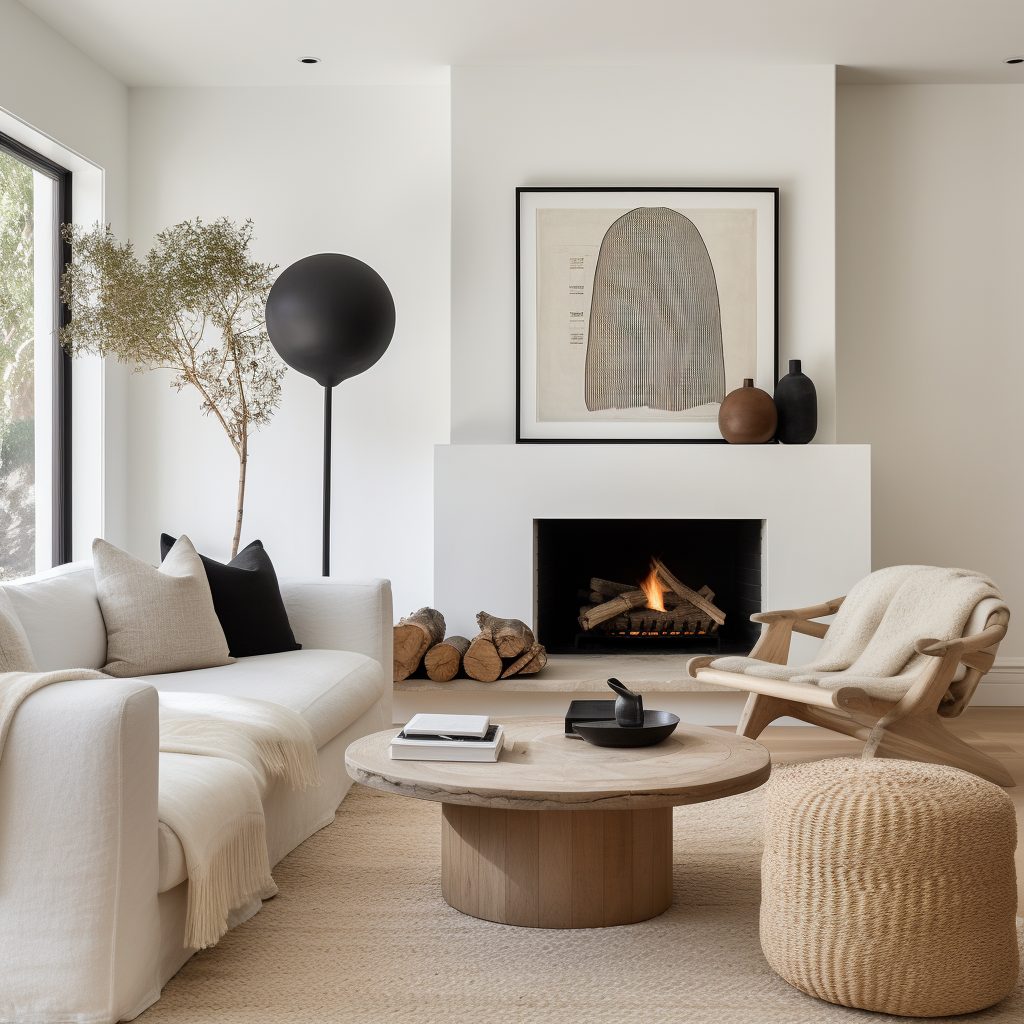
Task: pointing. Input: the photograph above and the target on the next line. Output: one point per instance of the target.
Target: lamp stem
(328, 392)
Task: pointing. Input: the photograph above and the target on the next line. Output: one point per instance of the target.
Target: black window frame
(60, 542)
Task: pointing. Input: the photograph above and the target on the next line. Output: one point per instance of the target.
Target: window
(35, 374)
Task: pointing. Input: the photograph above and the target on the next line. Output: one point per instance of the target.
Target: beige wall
(930, 321)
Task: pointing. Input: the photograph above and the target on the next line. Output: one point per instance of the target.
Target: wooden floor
(997, 731)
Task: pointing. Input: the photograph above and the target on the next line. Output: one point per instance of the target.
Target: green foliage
(17, 325)
(18, 446)
(194, 305)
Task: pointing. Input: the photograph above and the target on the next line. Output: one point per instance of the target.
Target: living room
(879, 145)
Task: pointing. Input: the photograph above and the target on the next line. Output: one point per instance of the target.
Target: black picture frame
(61, 528)
(528, 429)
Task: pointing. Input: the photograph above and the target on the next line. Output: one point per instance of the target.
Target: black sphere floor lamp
(330, 317)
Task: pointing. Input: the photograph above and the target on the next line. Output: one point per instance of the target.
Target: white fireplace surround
(814, 500)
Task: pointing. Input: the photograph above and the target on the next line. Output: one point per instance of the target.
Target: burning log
(660, 604)
(623, 603)
(685, 592)
(609, 589)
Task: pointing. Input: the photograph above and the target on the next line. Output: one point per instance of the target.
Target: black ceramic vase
(797, 404)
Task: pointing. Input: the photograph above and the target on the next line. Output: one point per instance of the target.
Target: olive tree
(195, 305)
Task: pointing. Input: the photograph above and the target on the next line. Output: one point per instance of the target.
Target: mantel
(814, 502)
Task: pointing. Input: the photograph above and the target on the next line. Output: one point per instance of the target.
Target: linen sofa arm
(79, 918)
(340, 615)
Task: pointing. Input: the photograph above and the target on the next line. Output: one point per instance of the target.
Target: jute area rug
(359, 933)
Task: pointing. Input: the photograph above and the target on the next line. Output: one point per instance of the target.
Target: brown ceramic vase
(747, 416)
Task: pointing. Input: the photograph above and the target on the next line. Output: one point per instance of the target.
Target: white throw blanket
(871, 642)
(217, 756)
(16, 686)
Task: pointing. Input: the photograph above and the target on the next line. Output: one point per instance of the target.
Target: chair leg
(759, 712)
(927, 739)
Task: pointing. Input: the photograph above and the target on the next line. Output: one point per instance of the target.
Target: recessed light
(316, 60)
(1014, 60)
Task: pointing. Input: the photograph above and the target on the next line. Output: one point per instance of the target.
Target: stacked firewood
(503, 648)
(661, 605)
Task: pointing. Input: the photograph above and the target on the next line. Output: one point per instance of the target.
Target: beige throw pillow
(15, 653)
(158, 620)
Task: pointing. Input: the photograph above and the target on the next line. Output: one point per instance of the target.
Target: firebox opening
(647, 586)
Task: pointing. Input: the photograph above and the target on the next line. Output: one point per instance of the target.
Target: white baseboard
(1003, 686)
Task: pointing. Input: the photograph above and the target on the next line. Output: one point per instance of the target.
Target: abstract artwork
(640, 309)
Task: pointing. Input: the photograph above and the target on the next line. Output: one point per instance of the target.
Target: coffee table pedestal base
(557, 869)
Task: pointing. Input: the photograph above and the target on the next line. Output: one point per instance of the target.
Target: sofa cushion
(247, 599)
(61, 617)
(330, 689)
(158, 620)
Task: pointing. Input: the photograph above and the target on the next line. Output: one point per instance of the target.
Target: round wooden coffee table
(558, 833)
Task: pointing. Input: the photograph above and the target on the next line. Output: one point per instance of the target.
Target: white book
(448, 725)
(418, 748)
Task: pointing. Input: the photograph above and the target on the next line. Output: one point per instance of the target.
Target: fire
(651, 586)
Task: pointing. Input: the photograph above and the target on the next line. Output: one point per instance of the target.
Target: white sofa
(92, 887)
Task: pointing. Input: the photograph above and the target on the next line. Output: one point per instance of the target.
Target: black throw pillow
(247, 600)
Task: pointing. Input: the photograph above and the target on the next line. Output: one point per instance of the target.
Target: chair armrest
(79, 918)
(338, 615)
(965, 645)
(814, 612)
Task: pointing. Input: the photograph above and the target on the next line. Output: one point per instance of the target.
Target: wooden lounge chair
(900, 716)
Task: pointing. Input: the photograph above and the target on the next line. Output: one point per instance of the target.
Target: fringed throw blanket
(217, 756)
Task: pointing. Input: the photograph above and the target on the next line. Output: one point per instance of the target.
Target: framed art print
(640, 309)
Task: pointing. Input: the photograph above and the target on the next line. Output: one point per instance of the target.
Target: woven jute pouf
(889, 886)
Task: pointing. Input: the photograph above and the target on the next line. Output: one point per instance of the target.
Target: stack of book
(448, 738)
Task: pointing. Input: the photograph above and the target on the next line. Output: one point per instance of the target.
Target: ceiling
(251, 42)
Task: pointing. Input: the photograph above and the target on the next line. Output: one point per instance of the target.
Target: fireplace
(647, 586)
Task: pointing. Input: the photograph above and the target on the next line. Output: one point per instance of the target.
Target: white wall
(632, 126)
(930, 225)
(56, 100)
(364, 170)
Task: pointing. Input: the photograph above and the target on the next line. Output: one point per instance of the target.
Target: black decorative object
(797, 404)
(247, 600)
(632, 727)
(587, 711)
(629, 706)
(657, 727)
(330, 317)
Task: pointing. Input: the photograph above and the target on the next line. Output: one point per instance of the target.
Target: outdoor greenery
(194, 305)
(17, 335)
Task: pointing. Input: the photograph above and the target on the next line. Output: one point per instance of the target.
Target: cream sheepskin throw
(217, 756)
(870, 643)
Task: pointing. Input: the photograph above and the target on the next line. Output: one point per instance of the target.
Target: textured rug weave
(359, 933)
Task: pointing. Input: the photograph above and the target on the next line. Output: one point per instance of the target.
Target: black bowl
(658, 726)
